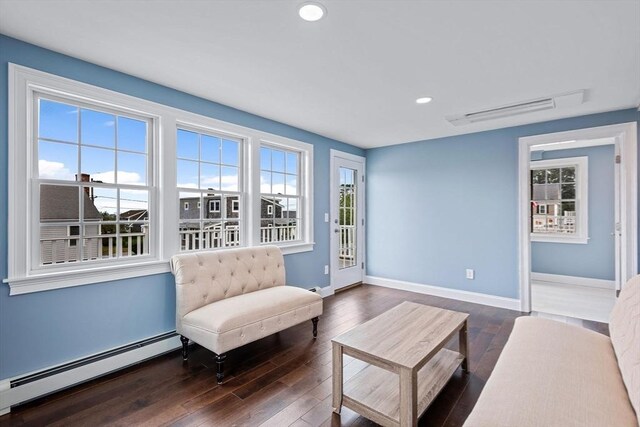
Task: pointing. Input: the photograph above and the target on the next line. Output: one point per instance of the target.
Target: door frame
(333, 207)
(626, 138)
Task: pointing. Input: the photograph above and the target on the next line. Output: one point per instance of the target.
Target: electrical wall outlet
(326, 269)
(326, 217)
(470, 273)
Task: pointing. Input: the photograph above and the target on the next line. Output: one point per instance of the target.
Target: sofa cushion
(233, 313)
(624, 329)
(554, 374)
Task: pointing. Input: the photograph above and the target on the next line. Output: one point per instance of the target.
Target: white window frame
(71, 235)
(204, 127)
(213, 203)
(305, 188)
(24, 82)
(581, 235)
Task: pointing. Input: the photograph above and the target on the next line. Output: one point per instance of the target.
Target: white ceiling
(354, 76)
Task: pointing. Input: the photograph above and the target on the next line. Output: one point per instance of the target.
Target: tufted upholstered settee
(554, 374)
(228, 298)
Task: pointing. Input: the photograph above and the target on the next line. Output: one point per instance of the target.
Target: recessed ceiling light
(311, 11)
(423, 100)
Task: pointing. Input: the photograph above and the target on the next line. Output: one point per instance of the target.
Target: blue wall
(439, 206)
(596, 259)
(46, 328)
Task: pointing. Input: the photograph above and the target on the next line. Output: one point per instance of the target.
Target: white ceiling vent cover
(558, 101)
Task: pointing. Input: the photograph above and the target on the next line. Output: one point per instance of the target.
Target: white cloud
(189, 185)
(226, 182)
(124, 177)
(277, 189)
(54, 170)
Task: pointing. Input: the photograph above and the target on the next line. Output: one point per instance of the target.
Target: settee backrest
(206, 277)
(624, 330)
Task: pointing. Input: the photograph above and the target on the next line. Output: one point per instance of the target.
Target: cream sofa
(554, 374)
(228, 298)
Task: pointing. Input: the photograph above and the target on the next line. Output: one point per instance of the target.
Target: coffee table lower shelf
(375, 392)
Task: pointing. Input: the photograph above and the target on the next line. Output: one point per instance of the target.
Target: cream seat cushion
(554, 374)
(235, 321)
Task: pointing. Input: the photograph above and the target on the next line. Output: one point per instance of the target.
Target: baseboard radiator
(35, 385)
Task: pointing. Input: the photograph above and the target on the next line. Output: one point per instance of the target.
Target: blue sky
(204, 161)
(95, 132)
(70, 130)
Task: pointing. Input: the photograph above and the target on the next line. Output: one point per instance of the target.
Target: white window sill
(551, 238)
(295, 248)
(65, 279)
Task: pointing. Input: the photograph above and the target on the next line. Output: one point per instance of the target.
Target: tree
(346, 197)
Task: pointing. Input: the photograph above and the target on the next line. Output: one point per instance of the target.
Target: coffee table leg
(337, 378)
(464, 347)
(408, 398)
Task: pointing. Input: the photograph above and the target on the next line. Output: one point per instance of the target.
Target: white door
(346, 219)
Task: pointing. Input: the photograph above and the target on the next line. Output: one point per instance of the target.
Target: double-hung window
(105, 186)
(90, 181)
(280, 196)
(209, 175)
(559, 206)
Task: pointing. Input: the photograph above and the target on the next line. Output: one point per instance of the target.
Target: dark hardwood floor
(281, 380)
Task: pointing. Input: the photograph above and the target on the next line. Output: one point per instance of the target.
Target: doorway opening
(578, 220)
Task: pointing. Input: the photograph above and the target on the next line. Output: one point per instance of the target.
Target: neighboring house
(59, 203)
(135, 215)
(190, 209)
(277, 224)
(549, 218)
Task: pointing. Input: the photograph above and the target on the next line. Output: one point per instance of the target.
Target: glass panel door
(347, 219)
(347, 214)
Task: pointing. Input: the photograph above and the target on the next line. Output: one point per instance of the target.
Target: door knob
(337, 230)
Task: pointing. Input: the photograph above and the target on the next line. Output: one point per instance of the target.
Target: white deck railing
(278, 233)
(56, 250)
(347, 242)
(230, 237)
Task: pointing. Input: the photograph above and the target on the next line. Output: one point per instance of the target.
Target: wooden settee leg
(220, 358)
(185, 347)
(315, 326)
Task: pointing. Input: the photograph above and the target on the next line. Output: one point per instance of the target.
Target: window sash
(569, 228)
(37, 261)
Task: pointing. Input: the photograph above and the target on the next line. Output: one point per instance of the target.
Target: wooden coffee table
(408, 365)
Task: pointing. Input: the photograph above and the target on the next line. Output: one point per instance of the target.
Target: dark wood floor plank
(292, 413)
(281, 380)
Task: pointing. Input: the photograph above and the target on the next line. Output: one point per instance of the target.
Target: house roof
(60, 203)
(135, 215)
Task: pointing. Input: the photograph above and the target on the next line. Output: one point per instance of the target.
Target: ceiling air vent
(559, 101)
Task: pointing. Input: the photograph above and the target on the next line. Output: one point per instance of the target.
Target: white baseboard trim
(327, 291)
(40, 387)
(573, 280)
(474, 297)
(5, 386)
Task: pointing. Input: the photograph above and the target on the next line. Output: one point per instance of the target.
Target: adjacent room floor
(281, 380)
